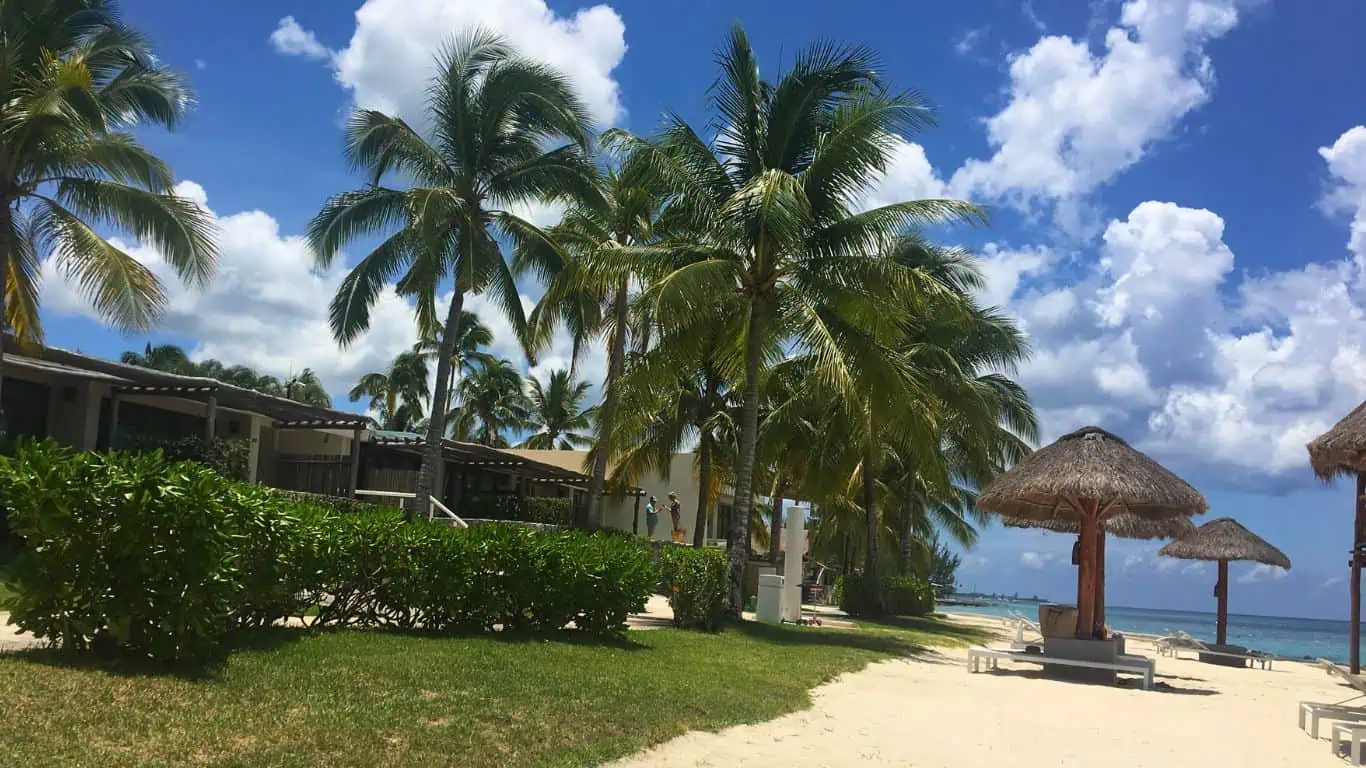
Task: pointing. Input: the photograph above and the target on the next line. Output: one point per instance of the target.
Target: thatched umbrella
(1222, 540)
(1341, 451)
(1124, 526)
(1089, 476)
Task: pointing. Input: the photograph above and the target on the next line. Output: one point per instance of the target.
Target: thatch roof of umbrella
(1089, 464)
(1225, 539)
(1342, 449)
(1123, 525)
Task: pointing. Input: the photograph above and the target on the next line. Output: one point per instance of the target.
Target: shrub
(530, 509)
(228, 457)
(125, 548)
(163, 559)
(901, 595)
(695, 580)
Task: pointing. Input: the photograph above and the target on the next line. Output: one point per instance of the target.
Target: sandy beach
(930, 712)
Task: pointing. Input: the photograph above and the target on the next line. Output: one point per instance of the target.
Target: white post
(794, 528)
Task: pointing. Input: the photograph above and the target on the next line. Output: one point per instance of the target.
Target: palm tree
(163, 357)
(493, 114)
(492, 403)
(305, 387)
(771, 197)
(627, 212)
(74, 82)
(398, 394)
(470, 336)
(557, 413)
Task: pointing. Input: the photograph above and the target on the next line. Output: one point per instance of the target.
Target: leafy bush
(330, 503)
(163, 559)
(122, 548)
(695, 580)
(908, 596)
(530, 509)
(900, 595)
(228, 457)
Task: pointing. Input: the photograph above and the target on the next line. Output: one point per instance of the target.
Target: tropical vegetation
(303, 387)
(558, 419)
(75, 84)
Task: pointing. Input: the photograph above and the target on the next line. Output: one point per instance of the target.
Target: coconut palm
(163, 357)
(305, 387)
(493, 115)
(772, 197)
(589, 305)
(398, 394)
(471, 335)
(491, 404)
(74, 82)
(557, 413)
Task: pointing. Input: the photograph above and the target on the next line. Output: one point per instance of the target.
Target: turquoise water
(1289, 637)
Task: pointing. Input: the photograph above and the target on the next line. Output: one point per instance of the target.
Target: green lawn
(376, 698)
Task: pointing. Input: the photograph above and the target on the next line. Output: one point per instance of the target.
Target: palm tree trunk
(744, 470)
(775, 524)
(436, 423)
(904, 556)
(870, 574)
(6, 228)
(699, 532)
(616, 355)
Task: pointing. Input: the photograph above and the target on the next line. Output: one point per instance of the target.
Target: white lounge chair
(1139, 665)
(1024, 624)
(1311, 712)
(1173, 646)
(1352, 733)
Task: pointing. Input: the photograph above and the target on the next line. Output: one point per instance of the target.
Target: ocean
(1288, 637)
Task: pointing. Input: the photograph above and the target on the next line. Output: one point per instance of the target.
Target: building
(90, 403)
(628, 514)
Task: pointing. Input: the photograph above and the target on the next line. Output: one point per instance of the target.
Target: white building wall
(682, 479)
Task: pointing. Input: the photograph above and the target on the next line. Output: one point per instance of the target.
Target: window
(26, 405)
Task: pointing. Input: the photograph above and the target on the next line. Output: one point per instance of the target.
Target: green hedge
(901, 595)
(695, 581)
(164, 559)
(228, 457)
(530, 509)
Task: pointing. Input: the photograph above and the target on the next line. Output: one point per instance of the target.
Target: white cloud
(1164, 564)
(201, 65)
(909, 176)
(387, 63)
(970, 40)
(1133, 561)
(293, 40)
(1076, 118)
(1347, 169)
(266, 307)
(1037, 559)
(1332, 581)
(1197, 568)
(1261, 572)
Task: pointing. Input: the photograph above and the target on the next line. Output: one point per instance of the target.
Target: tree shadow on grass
(889, 644)
(125, 665)
(940, 628)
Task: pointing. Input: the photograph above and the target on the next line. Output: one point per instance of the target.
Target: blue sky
(1177, 187)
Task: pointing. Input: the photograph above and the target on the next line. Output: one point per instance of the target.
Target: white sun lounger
(1352, 733)
(1173, 646)
(1139, 665)
(1311, 712)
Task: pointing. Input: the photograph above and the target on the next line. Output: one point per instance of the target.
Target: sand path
(929, 712)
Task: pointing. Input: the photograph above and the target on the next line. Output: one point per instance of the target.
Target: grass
(288, 697)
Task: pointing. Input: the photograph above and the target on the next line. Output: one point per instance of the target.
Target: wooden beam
(1086, 572)
(355, 460)
(1356, 574)
(211, 418)
(113, 425)
(1099, 617)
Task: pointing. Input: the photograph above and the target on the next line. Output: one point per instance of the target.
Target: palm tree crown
(557, 413)
(493, 114)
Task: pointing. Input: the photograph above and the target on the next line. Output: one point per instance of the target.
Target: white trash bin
(770, 607)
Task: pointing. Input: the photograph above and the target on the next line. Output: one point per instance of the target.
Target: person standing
(675, 513)
(651, 517)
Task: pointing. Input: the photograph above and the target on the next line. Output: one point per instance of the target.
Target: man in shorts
(651, 517)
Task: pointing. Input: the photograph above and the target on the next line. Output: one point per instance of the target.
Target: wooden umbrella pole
(1086, 601)
(1355, 651)
(1099, 616)
(1221, 592)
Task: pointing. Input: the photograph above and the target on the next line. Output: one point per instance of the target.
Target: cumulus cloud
(1037, 560)
(1133, 561)
(293, 40)
(1075, 118)
(1261, 572)
(390, 56)
(909, 176)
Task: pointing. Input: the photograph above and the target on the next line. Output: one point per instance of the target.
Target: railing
(434, 507)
